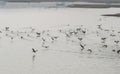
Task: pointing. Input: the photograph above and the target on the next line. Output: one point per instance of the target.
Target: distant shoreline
(93, 6)
(59, 4)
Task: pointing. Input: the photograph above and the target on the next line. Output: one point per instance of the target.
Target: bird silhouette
(34, 51)
(116, 41)
(82, 46)
(89, 50)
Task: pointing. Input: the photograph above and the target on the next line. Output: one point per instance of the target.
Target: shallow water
(54, 16)
(16, 57)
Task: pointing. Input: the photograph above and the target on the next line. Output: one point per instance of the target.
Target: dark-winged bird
(34, 51)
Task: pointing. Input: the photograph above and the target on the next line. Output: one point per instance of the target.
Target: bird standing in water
(34, 51)
(34, 54)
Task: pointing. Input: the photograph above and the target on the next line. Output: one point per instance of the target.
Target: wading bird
(34, 51)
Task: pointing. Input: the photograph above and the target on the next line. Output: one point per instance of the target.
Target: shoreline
(93, 6)
(58, 5)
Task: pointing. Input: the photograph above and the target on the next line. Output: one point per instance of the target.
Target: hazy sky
(107, 1)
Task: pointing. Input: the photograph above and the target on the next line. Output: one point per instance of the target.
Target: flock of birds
(46, 37)
(110, 39)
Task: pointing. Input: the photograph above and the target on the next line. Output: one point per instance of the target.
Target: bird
(21, 37)
(103, 38)
(34, 51)
(89, 50)
(80, 39)
(116, 41)
(82, 46)
(113, 50)
(46, 46)
(7, 28)
(38, 34)
(118, 51)
(83, 31)
(99, 27)
(105, 46)
(112, 35)
(43, 39)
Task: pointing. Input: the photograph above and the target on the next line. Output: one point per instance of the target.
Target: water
(16, 57)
